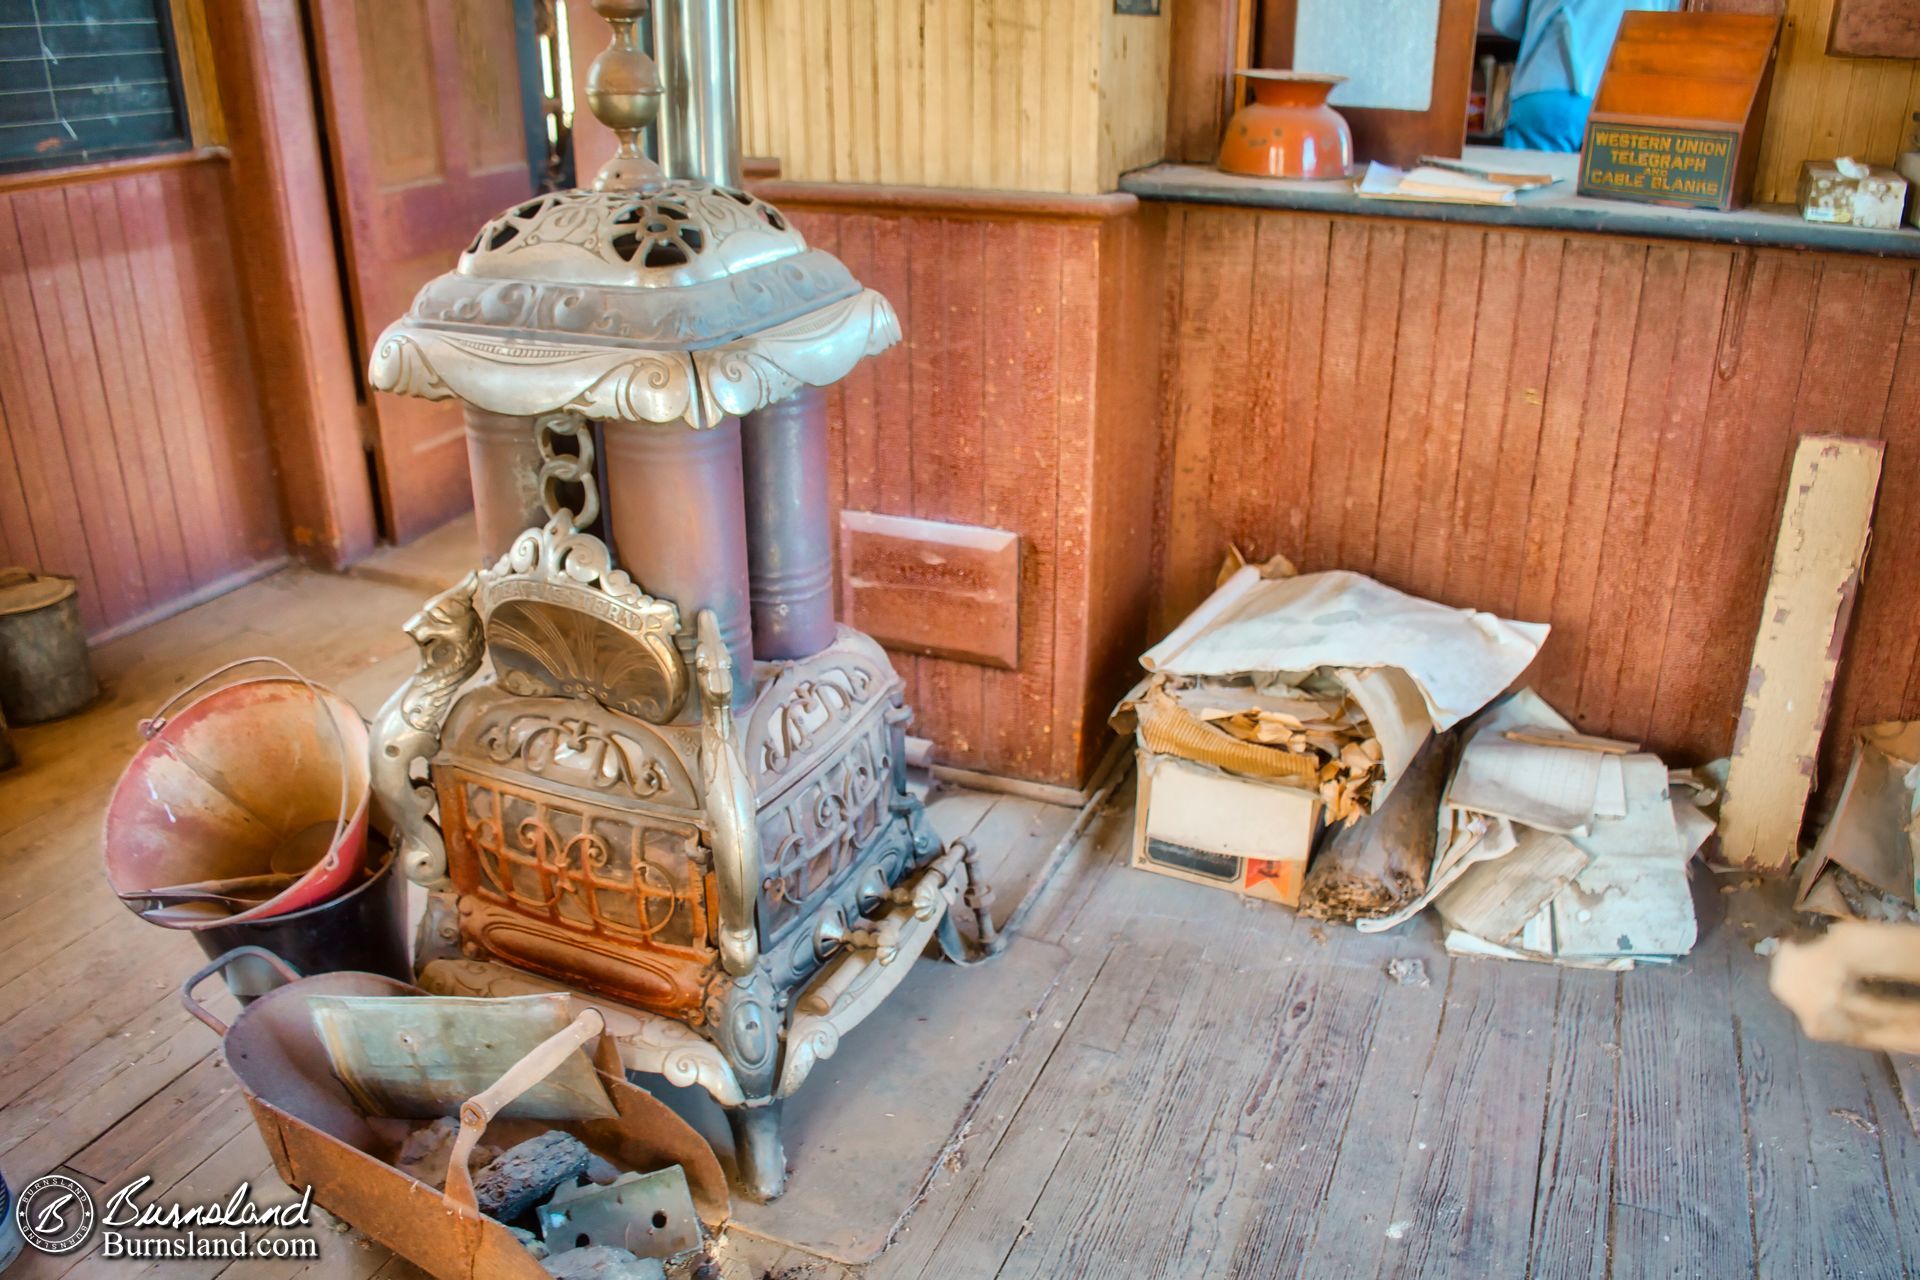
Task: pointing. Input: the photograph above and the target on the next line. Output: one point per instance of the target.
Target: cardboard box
(1197, 823)
(1860, 195)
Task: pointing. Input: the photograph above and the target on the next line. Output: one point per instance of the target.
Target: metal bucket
(10, 1241)
(259, 784)
(44, 669)
(363, 930)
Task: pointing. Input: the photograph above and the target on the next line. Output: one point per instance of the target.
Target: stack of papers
(1448, 182)
(1563, 848)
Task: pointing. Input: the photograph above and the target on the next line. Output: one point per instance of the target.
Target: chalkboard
(85, 80)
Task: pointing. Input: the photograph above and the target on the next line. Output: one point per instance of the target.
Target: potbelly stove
(678, 786)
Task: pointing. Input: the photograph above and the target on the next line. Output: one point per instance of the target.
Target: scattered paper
(1620, 907)
(1458, 659)
(1648, 824)
(1556, 789)
(1599, 878)
(1495, 900)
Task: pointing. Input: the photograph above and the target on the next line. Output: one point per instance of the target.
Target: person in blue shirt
(1563, 48)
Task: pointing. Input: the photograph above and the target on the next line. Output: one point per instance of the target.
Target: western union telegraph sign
(1658, 164)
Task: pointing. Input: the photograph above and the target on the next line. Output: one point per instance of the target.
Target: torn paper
(1458, 659)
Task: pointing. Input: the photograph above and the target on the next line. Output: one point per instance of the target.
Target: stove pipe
(789, 528)
(693, 45)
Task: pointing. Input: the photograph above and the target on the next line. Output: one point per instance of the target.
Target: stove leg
(986, 941)
(760, 1158)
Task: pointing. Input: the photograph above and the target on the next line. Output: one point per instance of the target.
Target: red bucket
(250, 803)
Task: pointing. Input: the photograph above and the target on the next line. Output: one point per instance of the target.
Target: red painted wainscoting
(1584, 430)
(1024, 398)
(131, 449)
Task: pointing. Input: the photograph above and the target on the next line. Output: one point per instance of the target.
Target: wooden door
(425, 124)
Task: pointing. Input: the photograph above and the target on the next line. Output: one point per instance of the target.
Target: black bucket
(363, 930)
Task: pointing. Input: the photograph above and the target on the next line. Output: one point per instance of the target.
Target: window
(85, 80)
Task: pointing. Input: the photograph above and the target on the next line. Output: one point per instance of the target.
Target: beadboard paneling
(1583, 430)
(1017, 95)
(1023, 398)
(1824, 107)
(131, 452)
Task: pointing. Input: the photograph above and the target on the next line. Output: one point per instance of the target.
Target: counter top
(1553, 208)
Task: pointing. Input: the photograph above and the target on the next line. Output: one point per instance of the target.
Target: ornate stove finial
(623, 88)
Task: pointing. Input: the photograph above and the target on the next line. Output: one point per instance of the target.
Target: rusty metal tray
(319, 1137)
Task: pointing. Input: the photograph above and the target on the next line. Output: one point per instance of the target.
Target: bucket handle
(153, 724)
(287, 973)
(479, 1110)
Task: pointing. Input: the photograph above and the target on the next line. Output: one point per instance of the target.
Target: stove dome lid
(645, 298)
(667, 234)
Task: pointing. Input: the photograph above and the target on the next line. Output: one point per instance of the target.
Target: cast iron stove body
(677, 785)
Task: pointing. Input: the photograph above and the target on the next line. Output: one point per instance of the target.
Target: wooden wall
(1824, 107)
(1024, 95)
(1023, 398)
(1584, 430)
(131, 449)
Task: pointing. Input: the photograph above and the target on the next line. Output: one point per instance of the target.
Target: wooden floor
(1210, 1089)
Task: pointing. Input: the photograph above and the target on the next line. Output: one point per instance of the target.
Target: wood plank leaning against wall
(1584, 430)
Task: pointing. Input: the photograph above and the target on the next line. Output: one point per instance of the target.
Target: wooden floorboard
(1465, 1200)
(1680, 1188)
(1210, 1089)
(1814, 1149)
(1572, 1208)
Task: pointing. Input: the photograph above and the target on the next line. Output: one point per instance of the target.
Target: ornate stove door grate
(633, 881)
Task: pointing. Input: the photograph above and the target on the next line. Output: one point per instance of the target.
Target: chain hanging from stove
(567, 468)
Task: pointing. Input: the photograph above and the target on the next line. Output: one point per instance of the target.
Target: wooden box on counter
(1678, 114)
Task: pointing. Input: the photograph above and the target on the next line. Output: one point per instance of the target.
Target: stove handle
(728, 798)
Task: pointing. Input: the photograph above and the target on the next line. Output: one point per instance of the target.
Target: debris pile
(573, 1210)
(1326, 742)
(1863, 865)
(1285, 703)
(1558, 846)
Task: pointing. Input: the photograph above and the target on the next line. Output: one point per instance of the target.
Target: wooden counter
(1554, 208)
(1588, 430)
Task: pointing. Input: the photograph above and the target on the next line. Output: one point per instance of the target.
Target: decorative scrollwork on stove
(681, 233)
(688, 316)
(575, 743)
(560, 619)
(818, 832)
(744, 376)
(573, 749)
(854, 985)
(614, 874)
(807, 706)
(528, 372)
(406, 730)
(400, 365)
(747, 1029)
